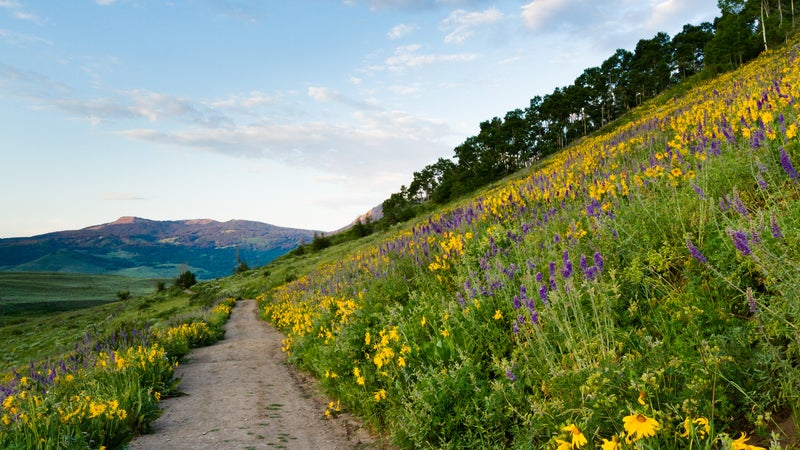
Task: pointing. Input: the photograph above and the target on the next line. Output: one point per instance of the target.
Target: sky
(298, 113)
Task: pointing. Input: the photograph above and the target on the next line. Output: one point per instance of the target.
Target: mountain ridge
(137, 246)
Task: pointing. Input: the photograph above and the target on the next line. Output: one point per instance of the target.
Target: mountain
(135, 246)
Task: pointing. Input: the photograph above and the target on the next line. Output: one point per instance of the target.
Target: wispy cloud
(409, 56)
(463, 24)
(615, 22)
(21, 39)
(371, 143)
(324, 94)
(400, 31)
(18, 11)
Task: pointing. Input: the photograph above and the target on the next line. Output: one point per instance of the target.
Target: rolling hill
(134, 246)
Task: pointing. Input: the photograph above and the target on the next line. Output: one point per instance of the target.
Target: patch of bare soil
(241, 394)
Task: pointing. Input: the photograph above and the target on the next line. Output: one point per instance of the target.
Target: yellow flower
(563, 445)
(578, 439)
(641, 398)
(740, 444)
(380, 395)
(610, 445)
(702, 430)
(639, 426)
(423, 321)
(498, 315)
(445, 333)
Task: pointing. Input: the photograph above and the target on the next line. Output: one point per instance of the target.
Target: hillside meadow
(638, 290)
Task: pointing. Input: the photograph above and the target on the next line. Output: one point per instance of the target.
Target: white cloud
(390, 142)
(323, 94)
(463, 24)
(400, 31)
(613, 23)
(18, 12)
(541, 14)
(105, 2)
(408, 56)
(405, 90)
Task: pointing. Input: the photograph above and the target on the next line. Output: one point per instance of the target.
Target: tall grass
(638, 290)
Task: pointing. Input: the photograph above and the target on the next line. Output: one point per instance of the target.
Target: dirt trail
(240, 394)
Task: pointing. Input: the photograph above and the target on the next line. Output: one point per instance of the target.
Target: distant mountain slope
(140, 247)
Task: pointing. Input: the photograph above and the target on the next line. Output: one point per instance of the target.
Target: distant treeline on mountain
(596, 98)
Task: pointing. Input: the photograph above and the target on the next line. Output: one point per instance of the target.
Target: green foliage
(186, 280)
(648, 275)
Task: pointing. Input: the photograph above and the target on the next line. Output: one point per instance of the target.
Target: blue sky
(302, 113)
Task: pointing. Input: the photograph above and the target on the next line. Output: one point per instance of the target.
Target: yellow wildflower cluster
(384, 353)
(83, 407)
(332, 409)
(452, 245)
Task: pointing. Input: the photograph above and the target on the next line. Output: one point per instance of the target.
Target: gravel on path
(240, 394)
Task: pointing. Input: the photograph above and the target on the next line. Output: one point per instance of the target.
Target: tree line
(596, 98)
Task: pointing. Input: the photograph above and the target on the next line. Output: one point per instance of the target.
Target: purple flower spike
(517, 303)
(740, 241)
(584, 265)
(776, 229)
(787, 165)
(598, 261)
(566, 272)
(510, 375)
(695, 252)
(751, 301)
(543, 294)
(699, 191)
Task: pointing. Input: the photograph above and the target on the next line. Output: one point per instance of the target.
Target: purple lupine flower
(517, 304)
(776, 229)
(738, 204)
(552, 283)
(515, 328)
(523, 292)
(566, 272)
(695, 252)
(787, 165)
(751, 301)
(543, 294)
(699, 191)
(539, 277)
(591, 273)
(535, 318)
(762, 184)
(510, 375)
(598, 261)
(552, 268)
(740, 241)
(584, 265)
(460, 299)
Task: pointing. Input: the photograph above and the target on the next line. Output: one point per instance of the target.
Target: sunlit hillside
(638, 290)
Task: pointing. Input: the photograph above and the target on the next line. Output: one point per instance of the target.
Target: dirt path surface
(240, 394)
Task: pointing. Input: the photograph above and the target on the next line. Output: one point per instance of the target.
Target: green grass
(35, 293)
(32, 337)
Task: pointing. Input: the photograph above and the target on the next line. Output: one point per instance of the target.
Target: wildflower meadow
(103, 392)
(638, 290)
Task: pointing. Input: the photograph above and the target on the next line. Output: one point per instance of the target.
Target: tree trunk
(763, 26)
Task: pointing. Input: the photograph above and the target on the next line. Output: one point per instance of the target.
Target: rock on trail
(240, 394)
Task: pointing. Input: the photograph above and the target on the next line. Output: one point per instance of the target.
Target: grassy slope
(28, 338)
(26, 293)
(573, 294)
